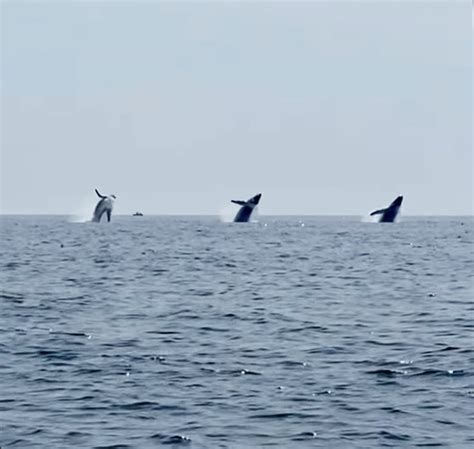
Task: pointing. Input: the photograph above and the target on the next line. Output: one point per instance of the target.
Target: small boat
(138, 214)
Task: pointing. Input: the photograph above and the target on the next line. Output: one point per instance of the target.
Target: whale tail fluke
(99, 195)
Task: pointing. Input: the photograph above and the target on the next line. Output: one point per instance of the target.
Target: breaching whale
(390, 213)
(105, 205)
(244, 213)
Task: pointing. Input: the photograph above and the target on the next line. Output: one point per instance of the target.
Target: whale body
(389, 214)
(245, 212)
(104, 206)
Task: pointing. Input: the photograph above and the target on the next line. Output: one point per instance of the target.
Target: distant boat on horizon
(137, 214)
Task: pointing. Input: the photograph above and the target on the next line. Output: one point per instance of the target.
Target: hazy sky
(325, 108)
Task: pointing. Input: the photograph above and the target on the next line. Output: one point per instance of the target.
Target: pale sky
(177, 108)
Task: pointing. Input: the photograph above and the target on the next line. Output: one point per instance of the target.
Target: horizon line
(218, 215)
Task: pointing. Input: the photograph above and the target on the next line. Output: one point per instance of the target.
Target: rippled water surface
(188, 332)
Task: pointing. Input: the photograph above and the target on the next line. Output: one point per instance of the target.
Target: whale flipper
(380, 211)
(99, 195)
(109, 214)
(240, 203)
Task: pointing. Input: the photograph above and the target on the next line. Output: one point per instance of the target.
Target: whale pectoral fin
(380, 211)
(99, 195)
(240, 203)
(109, 215)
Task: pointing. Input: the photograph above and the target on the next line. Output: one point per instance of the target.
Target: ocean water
(189, 332)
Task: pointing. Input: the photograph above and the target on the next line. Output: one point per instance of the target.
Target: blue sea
(186, 332)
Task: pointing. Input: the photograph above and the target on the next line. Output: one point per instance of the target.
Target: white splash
(83, 213)
(366, 218)
(254, 216)
(227, 213)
